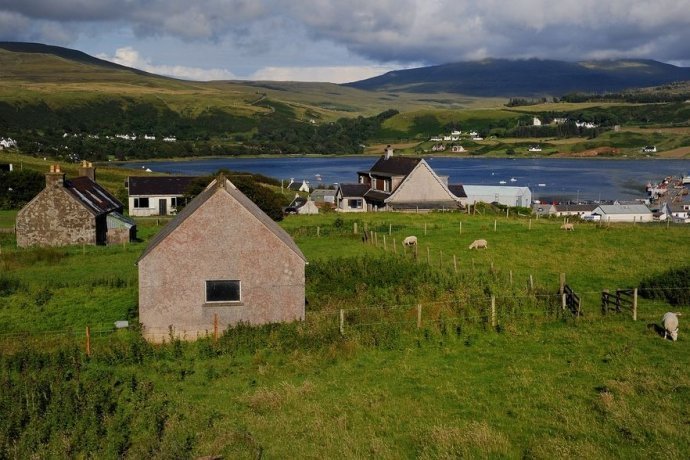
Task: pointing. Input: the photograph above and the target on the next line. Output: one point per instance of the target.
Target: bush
(671, 286)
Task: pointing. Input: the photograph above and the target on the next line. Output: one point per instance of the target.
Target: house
(323, 196)
(536, 121)
(505, 195)
(649, 149)
(397, 183)
(457, 149)
(679, 213)
(75, 211)
(623, 213)
(455, 132)
(438, 148)
(301, 205)
(156, 195)
(544, 209)
(219, 262)
(575, 210)
(9, 167)
(8, 143)
(534, 148)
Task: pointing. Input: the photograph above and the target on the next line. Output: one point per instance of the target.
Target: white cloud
(332, 74)
(130, 57)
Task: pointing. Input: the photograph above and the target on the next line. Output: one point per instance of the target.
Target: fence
(624, 299)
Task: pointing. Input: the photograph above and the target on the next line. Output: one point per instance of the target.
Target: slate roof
(376, 195)
(357, 190)
(576, 207)
(624, 209)
(200, 199)
(159, 185)
(94, 197)
(457, 190)
(394, 166)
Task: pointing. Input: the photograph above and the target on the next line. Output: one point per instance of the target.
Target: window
(386, 185)
(355, 204)
(223, 291)
(177, 201)
(141, 202)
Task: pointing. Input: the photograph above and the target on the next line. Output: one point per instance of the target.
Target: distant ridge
(529, 77)
(65, 53)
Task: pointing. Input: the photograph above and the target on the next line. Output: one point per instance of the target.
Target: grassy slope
(593, 388)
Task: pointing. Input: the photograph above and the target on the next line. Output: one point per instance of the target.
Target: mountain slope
(532, 77)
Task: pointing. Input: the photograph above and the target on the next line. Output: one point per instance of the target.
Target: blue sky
(346, 40)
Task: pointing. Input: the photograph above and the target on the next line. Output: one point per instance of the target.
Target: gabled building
(505, 195)
(219, 262)
(301, 205)
(623, 213)
(397, 183)
(74, 211)
(157, 195)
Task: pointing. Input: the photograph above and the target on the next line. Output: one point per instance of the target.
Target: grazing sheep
(670, 324)
(479, 244)
(410, 241)
(568, 227)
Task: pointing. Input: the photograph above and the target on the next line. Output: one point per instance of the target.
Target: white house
(8, 143)
(156, 195)
(623, 213)
(536, 121)
(455, 132)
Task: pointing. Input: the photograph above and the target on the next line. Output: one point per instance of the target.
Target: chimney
(389, 152)
(87, 169)
(55, 178)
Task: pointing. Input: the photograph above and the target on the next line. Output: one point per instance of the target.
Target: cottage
(544, 209)
(575, 210)
(323, 196)
(623, 213)
(350, 197)
(157, 195)
(398, 183)
(221, 261)
(75, 211)
(301, 205)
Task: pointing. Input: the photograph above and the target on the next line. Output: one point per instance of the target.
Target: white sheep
(479, 244)
(670, 324)
(568, 227)
(410, 241)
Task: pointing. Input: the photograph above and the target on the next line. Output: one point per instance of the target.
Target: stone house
(74, 211)
(397, 183)
(221, 261)
(156, 195)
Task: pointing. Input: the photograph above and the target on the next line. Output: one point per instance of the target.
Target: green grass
(7, 219)
(541, 384)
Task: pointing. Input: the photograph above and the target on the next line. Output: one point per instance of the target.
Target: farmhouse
(75, 211)
(397, 183)
(575, 210)
(301, 205)
(220, 261)
(156, 196)
(623, 213)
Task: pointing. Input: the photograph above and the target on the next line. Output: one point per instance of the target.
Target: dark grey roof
(94, 197)
(357, 190)
(576, 207)
(458, 190)
(225, 186)
(376, 195)
(394, 166)
(159, 185)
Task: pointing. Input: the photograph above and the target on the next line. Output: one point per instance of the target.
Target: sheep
(479, 244)
(670, 324)
(568, 227)
(410, 241)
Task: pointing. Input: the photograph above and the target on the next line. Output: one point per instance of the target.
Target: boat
(686, 179)
(541, 185)
(502, 182)
(512, 179)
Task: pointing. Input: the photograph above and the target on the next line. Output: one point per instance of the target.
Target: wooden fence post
(564, 301)
(88, 341)
(354, 228)
(604, 301)
(419, 315)
(493, 311)
(455, 264)
(385, 247)
(318, 231)
(510, 277)
(215, 327)
(428, 255)
(634, 305)
(561, 284)
(342, 322)
(494, 225)
(390, 229)
(461, 228)
(530, 224)
(531, 282)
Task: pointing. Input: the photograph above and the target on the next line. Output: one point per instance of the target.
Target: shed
(624, 213)
(220, 259)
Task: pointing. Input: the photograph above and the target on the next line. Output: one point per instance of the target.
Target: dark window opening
(141, 202)
(223, 291)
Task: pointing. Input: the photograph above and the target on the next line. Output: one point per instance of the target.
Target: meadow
(540, 383)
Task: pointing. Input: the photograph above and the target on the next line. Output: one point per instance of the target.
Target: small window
(141, 202)
(223, 291)
(355, 204)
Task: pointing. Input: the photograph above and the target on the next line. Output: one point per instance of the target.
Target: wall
(421, 186)
(220, 240)
(55, 218)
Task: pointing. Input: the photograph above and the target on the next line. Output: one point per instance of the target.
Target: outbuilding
(219, 262)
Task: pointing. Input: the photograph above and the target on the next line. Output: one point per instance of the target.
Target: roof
(357, 190)
(94, 197)
(220, 185)
(394, 166)
(297, 202)
(624, 209)
(502, 190)
(576, 207)
(376, 195)
(159, 185)
(458, 190)
(322, 192)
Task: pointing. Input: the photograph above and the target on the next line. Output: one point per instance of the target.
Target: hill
(532, 77)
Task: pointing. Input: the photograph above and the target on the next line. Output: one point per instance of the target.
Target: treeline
(70, 132)
(19, 187)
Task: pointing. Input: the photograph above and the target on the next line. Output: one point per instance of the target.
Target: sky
(346, 40)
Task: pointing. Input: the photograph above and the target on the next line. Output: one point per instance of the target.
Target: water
(549, 179)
